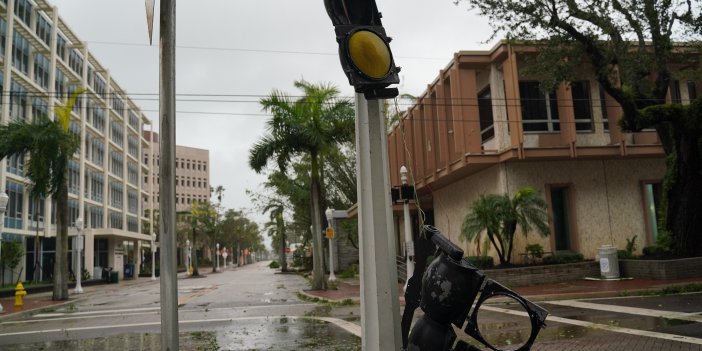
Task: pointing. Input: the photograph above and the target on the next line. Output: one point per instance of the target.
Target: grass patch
(669, 290)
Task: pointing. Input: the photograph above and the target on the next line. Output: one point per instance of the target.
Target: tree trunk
(281, 233)
(684, 192)
(61, 262)
(193, 256)
(318, 254)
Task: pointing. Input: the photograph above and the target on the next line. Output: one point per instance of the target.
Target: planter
(547, 274)
(682, 268)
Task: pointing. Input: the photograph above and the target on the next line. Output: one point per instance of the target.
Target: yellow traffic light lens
(370, 54)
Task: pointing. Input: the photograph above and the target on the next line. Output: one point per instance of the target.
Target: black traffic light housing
(361, 36)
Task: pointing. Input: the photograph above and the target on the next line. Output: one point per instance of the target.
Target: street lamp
(409, 244)
(153, 256)
(224, 254)
(330, 235)
(4, 199)
(79, 247)
(217, 255)
(188, 268)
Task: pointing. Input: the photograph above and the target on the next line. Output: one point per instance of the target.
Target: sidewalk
(577, 289)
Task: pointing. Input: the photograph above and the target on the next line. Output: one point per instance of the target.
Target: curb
(355, 300)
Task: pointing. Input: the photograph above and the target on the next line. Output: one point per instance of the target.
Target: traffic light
(364, 48)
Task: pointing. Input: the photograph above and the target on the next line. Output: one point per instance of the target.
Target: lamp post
(217, 255)
(330, 235)
(188, 270)
(153, 256)
(4, 199)
(409, 243)
(79, 247)
(224, 255)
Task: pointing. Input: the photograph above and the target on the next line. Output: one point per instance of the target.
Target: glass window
(75, 62)
(675, 96)
(20, 53)
(18, 101)
(43, 29)
(61, 47)
(3, 35)
(73, 177)
(691, 90)
(13, 213)
(23, 10)
(487, 130)
(582, 105)
(15, 164)
(539, 110)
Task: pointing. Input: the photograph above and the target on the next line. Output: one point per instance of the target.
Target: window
(132, 224)
(73, 177)
(582, 105)
(539, 110)
(40, 109)
(603, 107)
(75, 62)
(99, 85)
(15, 164)
(23, 10)
(116, 163)
(96, 217)
(18, 101)
(73, 212)
(133, 145)
(116, 194)
(117, 104)
(115, 220)
(97, 152)
(487, 130)
(13, 214)
(98, 118)
(61, 47)
(97, 182)
(41, 70)
(36, 213)
(43, 29)
(79, 100)
(132, 173)
(60, 84)
(133, 120)
(117, 133)
(20, 53)
(3, 35)
(132, 201)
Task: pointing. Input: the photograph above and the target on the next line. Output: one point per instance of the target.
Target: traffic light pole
(169, 282)
(380, 310)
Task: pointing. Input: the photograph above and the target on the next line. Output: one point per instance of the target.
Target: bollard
(20, 293)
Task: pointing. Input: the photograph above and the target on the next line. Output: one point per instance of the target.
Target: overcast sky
(232, 52)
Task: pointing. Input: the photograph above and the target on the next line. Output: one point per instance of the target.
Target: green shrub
(535, 250)
(655, 251)
(564, 257)
(350, 272)
(482, 262)
(624, 255)
(274, 265)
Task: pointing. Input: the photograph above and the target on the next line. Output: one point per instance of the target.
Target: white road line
(350, 327)
(694, 317)
(605, 327)
(61, 314)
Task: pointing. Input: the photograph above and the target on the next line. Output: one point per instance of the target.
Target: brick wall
(548, 274)
(662, 269)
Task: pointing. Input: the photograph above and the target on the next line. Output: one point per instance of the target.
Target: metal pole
(169, 282)
(79, 247)
(153, 255)
(380, 308)
(4, 199)
(409, 244)
(330, 221)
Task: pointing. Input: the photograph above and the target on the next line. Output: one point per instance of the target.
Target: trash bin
(609, 262)
(114, 277)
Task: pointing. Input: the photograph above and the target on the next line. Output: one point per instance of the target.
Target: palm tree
(499, 216)
(306, 126)
(50, 145)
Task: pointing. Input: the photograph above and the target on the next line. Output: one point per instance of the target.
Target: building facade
(192, 173)
(42, 62)
(484, 127)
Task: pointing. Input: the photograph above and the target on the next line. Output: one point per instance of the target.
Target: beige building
(483, 126)
(41, 63)
(192, 173)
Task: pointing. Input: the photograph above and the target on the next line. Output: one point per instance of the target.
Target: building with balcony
(483, 126)
(42, 62)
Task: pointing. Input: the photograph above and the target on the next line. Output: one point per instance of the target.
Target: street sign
(330, 233)
(150, 18)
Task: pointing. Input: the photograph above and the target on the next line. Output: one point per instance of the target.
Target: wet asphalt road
(251, 308)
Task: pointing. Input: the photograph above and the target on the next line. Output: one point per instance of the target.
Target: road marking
(348, 326)
(694, 317)
(146, 311)
(605, 327)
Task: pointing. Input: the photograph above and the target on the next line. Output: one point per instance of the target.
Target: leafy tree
(50, 145)
(201, 219)
(237, 232)
(629, 44)
(307, 126)
(500, 215)
(12, 253)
